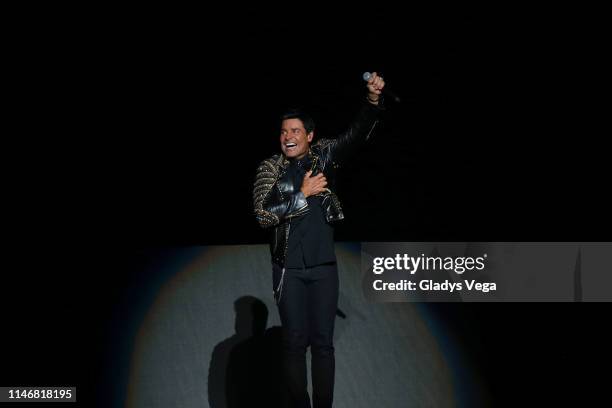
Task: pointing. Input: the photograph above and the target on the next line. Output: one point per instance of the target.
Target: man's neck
(301, 156)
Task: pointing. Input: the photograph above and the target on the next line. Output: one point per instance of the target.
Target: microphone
(366, 77)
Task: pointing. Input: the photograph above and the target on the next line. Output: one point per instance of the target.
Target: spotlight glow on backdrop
(387, 354)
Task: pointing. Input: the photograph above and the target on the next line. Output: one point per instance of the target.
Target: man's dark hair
(296, 113)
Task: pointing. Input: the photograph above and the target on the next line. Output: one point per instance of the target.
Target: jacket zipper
(279, 288)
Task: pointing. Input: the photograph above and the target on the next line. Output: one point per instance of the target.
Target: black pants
(307, 310)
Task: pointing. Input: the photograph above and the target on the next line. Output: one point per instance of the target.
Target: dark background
(141, 129)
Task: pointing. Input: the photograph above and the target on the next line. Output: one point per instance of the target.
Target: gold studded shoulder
(266, 175)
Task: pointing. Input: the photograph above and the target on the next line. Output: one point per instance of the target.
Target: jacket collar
(282, 163)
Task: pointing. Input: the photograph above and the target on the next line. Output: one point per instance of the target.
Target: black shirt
(311, 237)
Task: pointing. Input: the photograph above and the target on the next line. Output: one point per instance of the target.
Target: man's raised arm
(362, 126)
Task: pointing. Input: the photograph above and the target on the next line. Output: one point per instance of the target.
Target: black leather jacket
(276, 202)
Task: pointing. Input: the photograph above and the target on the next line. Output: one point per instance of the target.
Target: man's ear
(310, 136)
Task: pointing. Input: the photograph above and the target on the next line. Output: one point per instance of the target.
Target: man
(294, 195)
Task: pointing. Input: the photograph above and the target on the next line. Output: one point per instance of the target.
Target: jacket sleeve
(271, 211)
(359, 131)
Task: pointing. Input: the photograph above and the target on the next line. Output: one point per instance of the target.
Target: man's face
(294, 139)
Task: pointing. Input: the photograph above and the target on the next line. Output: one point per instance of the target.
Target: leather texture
(275, 198)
